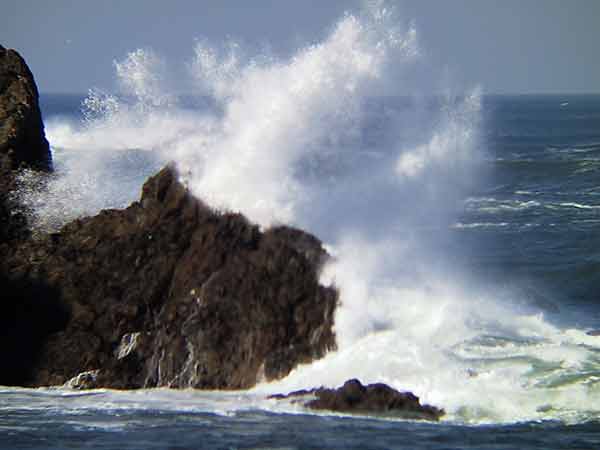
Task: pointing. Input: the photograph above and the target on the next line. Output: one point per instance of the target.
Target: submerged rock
(170, 293)
(374, 399)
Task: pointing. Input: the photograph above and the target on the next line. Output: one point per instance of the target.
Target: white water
(405, 317)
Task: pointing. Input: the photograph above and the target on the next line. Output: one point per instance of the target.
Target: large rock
(22, 140)
(165, 293)
(374, 399)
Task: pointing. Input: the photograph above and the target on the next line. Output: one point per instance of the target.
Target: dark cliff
(166, 293)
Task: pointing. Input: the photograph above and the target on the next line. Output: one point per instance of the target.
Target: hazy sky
(516, 46)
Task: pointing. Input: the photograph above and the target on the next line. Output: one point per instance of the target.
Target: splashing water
(276, 113)
(294, 141)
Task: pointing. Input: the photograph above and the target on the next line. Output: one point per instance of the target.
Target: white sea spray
(406, 315)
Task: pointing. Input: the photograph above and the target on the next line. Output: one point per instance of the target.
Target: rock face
(373, 399)
(22, 140)
(165, 293)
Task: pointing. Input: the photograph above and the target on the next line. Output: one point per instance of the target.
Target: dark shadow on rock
(31, 311)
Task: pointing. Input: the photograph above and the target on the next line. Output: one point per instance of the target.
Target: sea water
(463, 230)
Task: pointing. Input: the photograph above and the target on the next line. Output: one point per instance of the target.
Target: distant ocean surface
(464, 232)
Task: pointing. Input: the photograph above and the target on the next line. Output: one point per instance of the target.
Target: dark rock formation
(22, 140)
(373, 399)
(166, 293)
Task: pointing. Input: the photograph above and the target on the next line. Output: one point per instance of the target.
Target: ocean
(463, 230)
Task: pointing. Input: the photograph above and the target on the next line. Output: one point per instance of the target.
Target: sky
(508, 46)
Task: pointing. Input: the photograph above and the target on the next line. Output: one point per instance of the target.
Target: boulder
(374, 399)
(166, 292)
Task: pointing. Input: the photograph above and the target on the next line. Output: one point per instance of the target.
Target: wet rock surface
(168, 293)
(374, 399)
(23, 144)
(22, 138)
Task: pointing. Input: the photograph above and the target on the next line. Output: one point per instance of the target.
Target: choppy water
(39, 419)
(463, 229)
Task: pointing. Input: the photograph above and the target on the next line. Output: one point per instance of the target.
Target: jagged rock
(374, 399)
(22, 140)
(170, 293)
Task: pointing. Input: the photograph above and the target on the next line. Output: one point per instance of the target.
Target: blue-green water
(57, 422)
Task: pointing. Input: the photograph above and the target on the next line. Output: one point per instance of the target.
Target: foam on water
(482, 362)
(404, 318)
